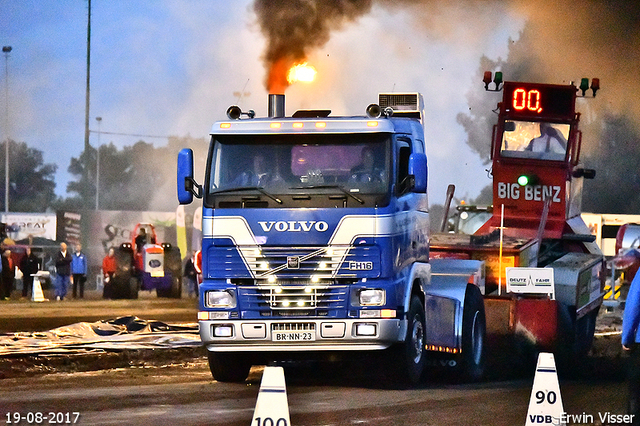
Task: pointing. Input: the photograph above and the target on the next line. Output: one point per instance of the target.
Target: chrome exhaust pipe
(276, 106)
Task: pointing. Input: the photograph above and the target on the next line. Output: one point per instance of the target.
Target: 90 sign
(536, 100)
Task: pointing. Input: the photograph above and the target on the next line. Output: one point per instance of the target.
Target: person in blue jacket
(78, 271)
(631, 343)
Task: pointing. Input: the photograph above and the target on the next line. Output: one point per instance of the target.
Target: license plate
(293, 336)
(157, 274)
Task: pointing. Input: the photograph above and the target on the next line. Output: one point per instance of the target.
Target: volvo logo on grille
(293, 262)
(294, 226)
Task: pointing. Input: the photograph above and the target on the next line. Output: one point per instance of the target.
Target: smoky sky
(571, 39)
(293, 28)
(172, 67)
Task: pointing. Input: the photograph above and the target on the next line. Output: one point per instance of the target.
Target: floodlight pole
(6, 50)
(86, 108)
(99, 120)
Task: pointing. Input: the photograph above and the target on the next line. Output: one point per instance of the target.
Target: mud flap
(518, 329)
(535, 322)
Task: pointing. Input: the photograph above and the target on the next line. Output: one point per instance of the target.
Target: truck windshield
(347, 167)
(541, 140)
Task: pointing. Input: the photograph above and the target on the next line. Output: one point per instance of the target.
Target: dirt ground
(605, 359)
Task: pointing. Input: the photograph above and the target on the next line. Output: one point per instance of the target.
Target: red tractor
(143, 264)
(536, 227)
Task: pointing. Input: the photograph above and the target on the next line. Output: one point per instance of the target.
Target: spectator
(63, 272)
(1, 284)
(191, 275)
(198, 265)
(109, 268)
(141, 239)
(29, 265)
(631, 343)
(7, 274)
(79, 271)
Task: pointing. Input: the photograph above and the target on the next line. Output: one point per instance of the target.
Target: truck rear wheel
(472, 360)
(173, 266)
(229, 366)
(575, 337)
(585, 330)
(174, 291)
(133, 288)
(411, 357)
(176, 288)
(119, 288)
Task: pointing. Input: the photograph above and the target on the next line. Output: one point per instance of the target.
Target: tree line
(140, 177)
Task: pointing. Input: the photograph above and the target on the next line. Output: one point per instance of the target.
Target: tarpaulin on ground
(125, 333)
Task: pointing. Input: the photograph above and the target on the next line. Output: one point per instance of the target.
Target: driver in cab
(550, 141)
(365, 171)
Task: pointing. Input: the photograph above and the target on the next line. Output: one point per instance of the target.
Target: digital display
(537, 100)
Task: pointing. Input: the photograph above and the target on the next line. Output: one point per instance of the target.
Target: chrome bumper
(320, 334)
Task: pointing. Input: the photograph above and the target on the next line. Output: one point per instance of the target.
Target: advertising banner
(70, 227)
(21, 226)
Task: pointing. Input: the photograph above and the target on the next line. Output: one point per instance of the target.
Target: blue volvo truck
(315, 241)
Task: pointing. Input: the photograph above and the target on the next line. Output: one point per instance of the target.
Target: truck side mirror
(187, 186)
(418, 171)
(584, 173)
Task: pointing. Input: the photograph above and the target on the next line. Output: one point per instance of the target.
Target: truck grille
(294, 262)
(293, 300)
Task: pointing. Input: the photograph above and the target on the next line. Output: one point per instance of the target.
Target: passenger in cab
(261, 174)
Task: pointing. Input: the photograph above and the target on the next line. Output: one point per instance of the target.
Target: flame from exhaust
(301, 72)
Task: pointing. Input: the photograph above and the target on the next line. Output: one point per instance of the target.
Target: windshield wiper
(249, 188)
(340, 187)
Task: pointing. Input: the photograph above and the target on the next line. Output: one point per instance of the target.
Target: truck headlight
(372, 297)
(221, 299)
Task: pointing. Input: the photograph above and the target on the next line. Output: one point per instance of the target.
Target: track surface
(185, 394)
(175, 387)
(24, 315)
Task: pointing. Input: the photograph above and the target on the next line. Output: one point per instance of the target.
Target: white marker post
(545, 405)
(272, 408)
(36, 290)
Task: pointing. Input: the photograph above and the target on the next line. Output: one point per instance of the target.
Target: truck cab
(315, 239)
(536, 153)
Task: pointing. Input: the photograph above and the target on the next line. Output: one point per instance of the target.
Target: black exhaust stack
(276, 106)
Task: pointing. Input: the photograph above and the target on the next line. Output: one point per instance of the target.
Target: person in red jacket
(7, 273)
(109, 268)
(198, 265)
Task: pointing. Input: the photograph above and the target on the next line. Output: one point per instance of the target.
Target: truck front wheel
(411, 356)
(229, 366)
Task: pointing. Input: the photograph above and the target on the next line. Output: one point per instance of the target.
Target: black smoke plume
(561, 42)
(294, 28)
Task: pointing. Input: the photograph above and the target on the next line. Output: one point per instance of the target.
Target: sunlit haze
(172, 67)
